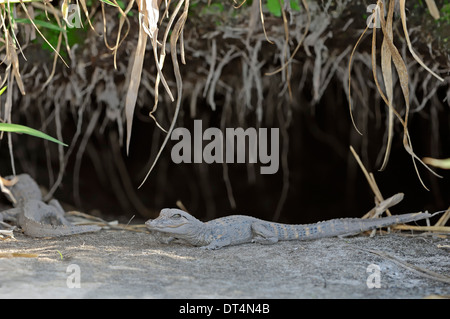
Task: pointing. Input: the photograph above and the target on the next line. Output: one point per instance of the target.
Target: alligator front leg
(263, 233)
(218, 243)
(162, 238)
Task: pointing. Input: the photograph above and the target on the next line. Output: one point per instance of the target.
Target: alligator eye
(176, 216)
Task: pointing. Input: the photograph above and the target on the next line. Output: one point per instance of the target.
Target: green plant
(51, 31)
(109, 2)
(445, 10)
(16, 128)
(120, 3)
(274, 6)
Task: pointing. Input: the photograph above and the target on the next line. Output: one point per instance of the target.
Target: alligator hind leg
(218, 243)
(263, 233)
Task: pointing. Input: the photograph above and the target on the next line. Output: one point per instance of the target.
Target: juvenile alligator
(36, 218)
(174, 224)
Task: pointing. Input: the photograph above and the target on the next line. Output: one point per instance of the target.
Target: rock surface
(121, 264)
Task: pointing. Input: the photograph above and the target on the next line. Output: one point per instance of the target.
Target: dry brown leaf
(55, 60)
(160, 65)
(9, 183)
(440, 229)
(262, 21)
(383, 206)
(105, 39)
(86, 12)
(148, 19)
(350, 78)
(370, 179)
(386, 67)
(166, 11)
(18, 255)
(149, 12)
(123, 18)
(434, 11)
(40, 33)
(176, 32)
(399, 64)
(135, 80)
(408, 41)
(390, 52)
(444, 218)
(14, 60)
(239, 5)
(403, 77)
(440, 163)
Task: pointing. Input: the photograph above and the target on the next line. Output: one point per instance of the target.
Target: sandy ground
(121, 264)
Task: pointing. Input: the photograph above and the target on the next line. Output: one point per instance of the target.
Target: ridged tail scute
(343, 226)
(393, 220)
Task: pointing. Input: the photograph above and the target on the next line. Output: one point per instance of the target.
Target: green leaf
(295, 5)
(17, 1)
(121, 4)
(108, 2)
(60, 254)
(16, 128)
(41, 23)
(3, 89)
(274, 7)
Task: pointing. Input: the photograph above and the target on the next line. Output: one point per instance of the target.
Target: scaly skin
(36, 218)
(174, 224)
